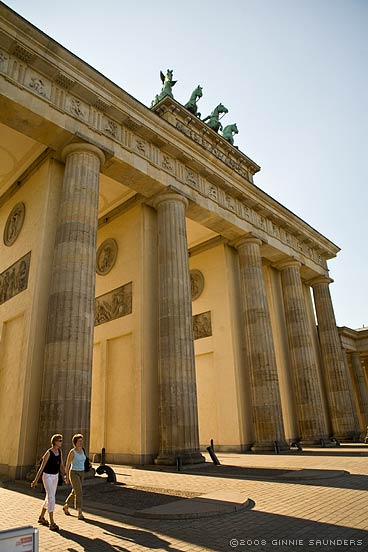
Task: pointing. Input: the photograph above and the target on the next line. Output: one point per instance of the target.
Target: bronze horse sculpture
(214, 118)
(192, 104)
(228, 133)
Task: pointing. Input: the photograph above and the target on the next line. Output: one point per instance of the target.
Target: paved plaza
(314, 500)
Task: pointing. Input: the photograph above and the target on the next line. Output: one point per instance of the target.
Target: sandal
(54, 527)
(43, 521)
(66, 510)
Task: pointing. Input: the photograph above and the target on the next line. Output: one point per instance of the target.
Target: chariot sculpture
(168, 84)
(212, 120)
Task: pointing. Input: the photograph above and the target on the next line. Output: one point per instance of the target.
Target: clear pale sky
(293, 74)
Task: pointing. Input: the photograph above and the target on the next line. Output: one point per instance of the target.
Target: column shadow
(139, 537)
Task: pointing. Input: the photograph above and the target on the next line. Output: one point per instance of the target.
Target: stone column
(266, 402)
(308, 397)
(357, 429)
(66, 390)
(360, 388)
(340, 409)
(178, 413)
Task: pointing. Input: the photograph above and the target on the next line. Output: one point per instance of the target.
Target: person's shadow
(137, 536)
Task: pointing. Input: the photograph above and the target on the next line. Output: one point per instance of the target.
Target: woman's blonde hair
(76, 437)
(56, 437)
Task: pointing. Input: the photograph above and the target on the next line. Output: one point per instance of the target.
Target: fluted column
(308, 397)
(66, 391)
(339, 404)
(266, 402)
(178, 413)
(357, 429)
(360, 388)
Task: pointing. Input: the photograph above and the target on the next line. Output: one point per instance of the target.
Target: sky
(293, 74)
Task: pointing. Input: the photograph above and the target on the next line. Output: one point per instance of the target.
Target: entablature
(218, 173)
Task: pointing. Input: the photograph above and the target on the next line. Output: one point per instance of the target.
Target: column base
(185, 458)
(269, 446)
(346, 436)
(312, 441)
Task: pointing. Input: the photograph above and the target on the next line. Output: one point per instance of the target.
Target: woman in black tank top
(51, 465)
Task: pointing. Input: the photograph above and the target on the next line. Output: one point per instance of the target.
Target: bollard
(179, 463)
(214, 458)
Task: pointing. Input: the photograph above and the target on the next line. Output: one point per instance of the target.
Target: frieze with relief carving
(242, 171)
(106, 256)
(197, 283)
(202, 326)
(114, 304)
(14, 224)
(15, 278)
(57, 88)
(38, 86)
(111, 128)
(75, 108)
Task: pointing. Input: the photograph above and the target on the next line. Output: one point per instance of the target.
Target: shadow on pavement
(317, 477)
(139, 537)
(255, 531)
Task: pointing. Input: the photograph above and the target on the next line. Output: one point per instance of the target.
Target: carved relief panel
(114, 304)
(202, 325)
(14, 279)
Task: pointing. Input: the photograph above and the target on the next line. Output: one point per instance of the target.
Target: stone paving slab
(325, 514)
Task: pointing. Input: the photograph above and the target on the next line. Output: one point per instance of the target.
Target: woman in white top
(75, 474)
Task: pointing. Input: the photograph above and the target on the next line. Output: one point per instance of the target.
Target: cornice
(35, 63)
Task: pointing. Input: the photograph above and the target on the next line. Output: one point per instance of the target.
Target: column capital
(168, 196)
(82, 147)
(246, 240)
(321, 279)
(290, 263)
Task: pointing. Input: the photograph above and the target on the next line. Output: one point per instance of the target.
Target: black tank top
(53, 463)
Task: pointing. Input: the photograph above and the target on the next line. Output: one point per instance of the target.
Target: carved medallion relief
(106, 256)
(197, 283)
(14, 224)
(14, 279)
(114, 304)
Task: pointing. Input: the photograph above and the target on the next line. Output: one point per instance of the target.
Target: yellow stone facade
(151, 295)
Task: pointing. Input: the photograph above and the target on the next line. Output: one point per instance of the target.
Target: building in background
(151, 296)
